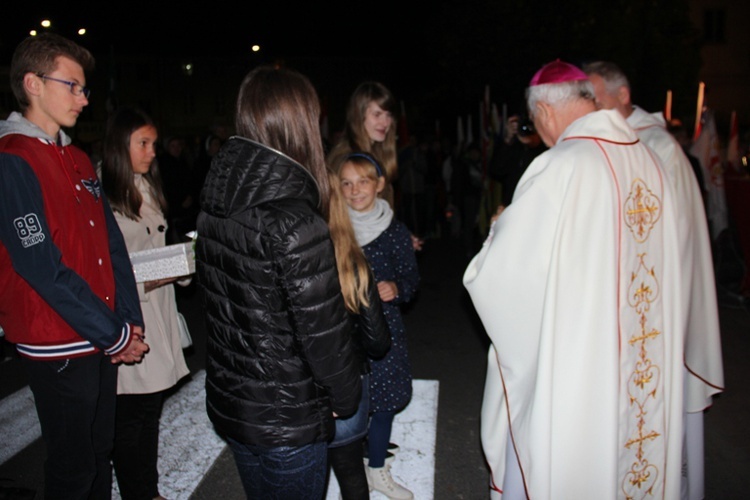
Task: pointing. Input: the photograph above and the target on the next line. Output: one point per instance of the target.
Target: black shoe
(11, 491)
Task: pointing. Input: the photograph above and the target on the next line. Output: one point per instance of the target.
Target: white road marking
(18, 422)
(414, 430)
(188, 444)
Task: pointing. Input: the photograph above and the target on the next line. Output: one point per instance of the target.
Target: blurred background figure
(434, 188)
(466, 194)
(179, 189)
(208, 147)
(520, 145)
(412, 164)
(680, 133)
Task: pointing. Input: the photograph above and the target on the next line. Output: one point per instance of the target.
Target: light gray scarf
(369, 225)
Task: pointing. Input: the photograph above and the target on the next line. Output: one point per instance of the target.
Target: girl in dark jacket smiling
(372, 341)
(281, 361)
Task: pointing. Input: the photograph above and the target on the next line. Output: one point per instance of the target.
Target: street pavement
(448, 349)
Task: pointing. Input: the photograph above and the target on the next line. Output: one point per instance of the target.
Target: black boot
(346, 462)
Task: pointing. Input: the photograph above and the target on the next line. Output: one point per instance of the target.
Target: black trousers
(136, 448)
(75, 402)
(348, 465)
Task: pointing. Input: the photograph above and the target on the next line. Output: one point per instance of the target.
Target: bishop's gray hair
(557, 93)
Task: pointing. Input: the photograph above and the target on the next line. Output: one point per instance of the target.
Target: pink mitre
(557, 72)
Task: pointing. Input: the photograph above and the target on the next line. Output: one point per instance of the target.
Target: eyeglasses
(75, 88)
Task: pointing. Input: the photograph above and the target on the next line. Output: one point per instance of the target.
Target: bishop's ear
(541, 111)
(623, 95)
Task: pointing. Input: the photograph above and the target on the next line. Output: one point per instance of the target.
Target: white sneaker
(381, 480)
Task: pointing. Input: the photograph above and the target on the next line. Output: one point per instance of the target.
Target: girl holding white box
(132, 185)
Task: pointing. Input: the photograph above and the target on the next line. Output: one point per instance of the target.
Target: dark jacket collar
(245, 174)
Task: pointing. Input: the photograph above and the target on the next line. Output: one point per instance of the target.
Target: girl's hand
(417, 243)
(153, 285)
(387, 290)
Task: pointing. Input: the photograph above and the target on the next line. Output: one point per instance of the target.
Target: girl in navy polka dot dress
(387, 244)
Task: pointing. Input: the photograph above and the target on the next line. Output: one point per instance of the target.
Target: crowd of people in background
(441, 187)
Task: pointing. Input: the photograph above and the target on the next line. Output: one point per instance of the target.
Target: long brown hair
(279, 107)
(118, 179)
(355, 137)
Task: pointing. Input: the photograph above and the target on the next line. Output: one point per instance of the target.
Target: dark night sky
(282, 28)
(436, 56)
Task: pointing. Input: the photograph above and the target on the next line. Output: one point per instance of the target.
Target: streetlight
(46, 23)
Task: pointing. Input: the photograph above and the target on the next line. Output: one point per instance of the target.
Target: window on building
(143, 72)
(190, 105)
(714, 26)
(7, 103)
(146, 105)
(220, 104)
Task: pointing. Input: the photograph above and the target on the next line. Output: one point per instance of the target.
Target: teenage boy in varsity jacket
(68, 298)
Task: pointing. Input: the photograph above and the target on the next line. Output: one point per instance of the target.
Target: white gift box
(165, 262)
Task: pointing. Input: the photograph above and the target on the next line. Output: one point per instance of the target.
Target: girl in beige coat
(131, 182)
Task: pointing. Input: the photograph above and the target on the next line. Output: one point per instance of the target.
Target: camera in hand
(525, 127)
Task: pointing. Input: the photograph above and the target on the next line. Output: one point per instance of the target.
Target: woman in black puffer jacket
(281, 361)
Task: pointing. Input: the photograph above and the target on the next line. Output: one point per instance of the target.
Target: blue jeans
(283, 473)
(353, 428)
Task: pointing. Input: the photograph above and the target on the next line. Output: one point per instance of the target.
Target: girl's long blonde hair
(351, 262)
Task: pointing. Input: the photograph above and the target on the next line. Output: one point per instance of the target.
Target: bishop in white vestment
(581, 286)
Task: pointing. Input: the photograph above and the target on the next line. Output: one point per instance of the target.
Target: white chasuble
(580, 288)
(703, 363)
(703, 342)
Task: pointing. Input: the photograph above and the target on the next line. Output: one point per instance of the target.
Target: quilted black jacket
(280, 354)
(371, 335)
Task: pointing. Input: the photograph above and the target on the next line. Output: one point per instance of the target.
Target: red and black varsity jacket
(66, 283)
